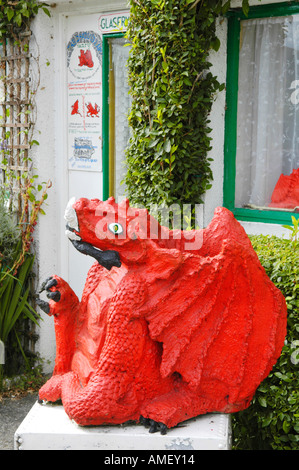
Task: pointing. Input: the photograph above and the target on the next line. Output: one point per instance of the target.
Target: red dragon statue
(170, 325)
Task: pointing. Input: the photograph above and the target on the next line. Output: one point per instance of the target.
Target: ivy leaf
(9, 13)
(34, 142)
(266, 422)
(18, 19)
(262, 401)
(245, 7)
(216, 44)
(225, 7)
(25, 13)
(286, 426)
(153, 143)
(46, 11)
(167, 146)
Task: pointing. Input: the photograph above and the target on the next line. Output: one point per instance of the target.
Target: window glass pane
(267, 160)
(119, 103)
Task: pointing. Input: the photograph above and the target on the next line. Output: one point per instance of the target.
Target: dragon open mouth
(107, 258)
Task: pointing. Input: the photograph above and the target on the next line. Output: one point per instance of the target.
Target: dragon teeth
(72, 235)
(70, 215)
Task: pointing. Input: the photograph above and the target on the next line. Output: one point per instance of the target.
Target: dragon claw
(43, 305)
(48, 283)
(46, 286)
(154, 426)
(54, 296)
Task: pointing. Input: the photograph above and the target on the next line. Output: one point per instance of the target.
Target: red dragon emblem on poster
(85, 58)
(92, 111)
(75, 108)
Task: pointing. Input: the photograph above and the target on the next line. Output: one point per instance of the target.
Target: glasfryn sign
(114, 22)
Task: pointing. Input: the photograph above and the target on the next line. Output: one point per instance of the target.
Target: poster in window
(84, 100)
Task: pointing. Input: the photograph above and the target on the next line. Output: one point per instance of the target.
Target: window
(116, 103)
(262, 116)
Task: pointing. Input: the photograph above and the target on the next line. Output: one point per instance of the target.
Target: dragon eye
(115, 228)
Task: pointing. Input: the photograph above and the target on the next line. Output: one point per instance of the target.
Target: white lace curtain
(120, 55)
(268, 107)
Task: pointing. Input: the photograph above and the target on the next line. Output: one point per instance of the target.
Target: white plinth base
(47, 427)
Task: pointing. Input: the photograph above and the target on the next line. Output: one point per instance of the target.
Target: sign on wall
(84, 81)
(114, 22)
(84, 76)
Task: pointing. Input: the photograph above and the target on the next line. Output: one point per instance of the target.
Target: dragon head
(110, 232)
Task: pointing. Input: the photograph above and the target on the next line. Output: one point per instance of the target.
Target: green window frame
(230, 144)
(107, 131)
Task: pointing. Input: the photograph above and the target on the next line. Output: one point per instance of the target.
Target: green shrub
(9, 234)
(173, 89)
(172, 93)
(272, 420)
(16, 263)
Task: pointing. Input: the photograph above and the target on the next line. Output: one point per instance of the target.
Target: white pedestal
(47, 427)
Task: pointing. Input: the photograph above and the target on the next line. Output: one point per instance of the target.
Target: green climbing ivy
(172, 91)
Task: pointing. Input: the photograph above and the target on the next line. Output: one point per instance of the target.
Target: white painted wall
(214, 196)
(48, 231)
(53, 249)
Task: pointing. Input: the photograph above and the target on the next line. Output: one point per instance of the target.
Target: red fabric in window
(286, 191)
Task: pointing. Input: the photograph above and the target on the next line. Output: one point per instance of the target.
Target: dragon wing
(221, 318)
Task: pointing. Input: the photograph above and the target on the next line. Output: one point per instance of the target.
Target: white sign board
(114, 22)
(84, 67)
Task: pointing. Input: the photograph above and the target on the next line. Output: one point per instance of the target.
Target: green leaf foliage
(16, 228)
(15, 305)
(15, 16)
(172, 91)
(172, 95)
(15, 281)
(9, 235)
(272, 420)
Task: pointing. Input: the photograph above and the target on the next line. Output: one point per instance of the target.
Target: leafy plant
(16, 231)
(172, 92)
(14, 304)
(294, 229)
(272, 420)
(16, 261)
(9, 234)
(16, 15)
